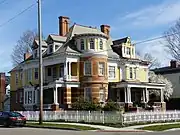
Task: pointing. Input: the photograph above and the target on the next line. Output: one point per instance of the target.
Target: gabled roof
(57, 38)
(120, 41)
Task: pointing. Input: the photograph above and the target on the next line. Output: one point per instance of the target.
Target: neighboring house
(172, 73)
(4, 92)
(81, 61)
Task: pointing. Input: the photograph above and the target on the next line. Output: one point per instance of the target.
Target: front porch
(132, 95)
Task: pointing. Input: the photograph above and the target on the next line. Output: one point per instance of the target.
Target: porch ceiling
(138, 85)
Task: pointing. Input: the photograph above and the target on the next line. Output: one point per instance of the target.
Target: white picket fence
(105, 117)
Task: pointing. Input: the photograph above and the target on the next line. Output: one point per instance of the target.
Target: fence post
(77, 116)
(89, 116)
(103, 116)
(65, 115)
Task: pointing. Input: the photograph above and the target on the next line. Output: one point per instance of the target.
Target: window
(128, 51)
(36, 73)
(101, 68)
(102, 95)
(35, 53)
(34, 96)
(29, 97)
(87, 94)
(91, 43)
(16, 78)
(112, 72)
(21, 76)
(61, 71)
(87, 68)
(130, 73)
(54, 72)
(101, 44)
(82, 44)
(132, 51)
(50, 48)
(134, 73)
(49, 71)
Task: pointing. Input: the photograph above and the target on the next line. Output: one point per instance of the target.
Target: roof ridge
(91, 27)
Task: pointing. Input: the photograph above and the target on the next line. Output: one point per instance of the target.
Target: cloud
(151, 16)
(157, 49)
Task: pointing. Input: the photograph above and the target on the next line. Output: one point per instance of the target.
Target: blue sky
(138, 19)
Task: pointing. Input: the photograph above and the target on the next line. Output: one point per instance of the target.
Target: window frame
(110, 70)
(86, 67)
(101, 44)
(128, 50)
(82, 45)
(130, 72)
(89, 94)
(101, 68)
(92, 43)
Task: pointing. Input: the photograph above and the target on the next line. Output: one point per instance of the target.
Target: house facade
(81, 61)
(172, 73)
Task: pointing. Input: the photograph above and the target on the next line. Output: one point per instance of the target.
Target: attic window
(50, 48)
(91, 43)
(128, 51)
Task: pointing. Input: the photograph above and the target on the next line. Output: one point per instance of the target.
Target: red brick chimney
(27, 55)
(173, 64)
(2, 89)
(105, 29)
(63, 25)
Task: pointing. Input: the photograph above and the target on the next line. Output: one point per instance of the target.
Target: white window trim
(114, 71)
(81, 44)
(103, 68)
(93, 39)
(85, 92)
(85, 68)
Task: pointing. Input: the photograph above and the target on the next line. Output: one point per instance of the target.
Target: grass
(60, 126)
(161, 127)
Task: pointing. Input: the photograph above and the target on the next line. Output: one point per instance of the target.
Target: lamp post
(40, 64)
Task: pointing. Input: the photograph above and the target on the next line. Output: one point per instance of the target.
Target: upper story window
(101, 44)
(36, 73)
(112, 72)
(101, 68)
(49, 71)
(130, 73)
(92, 46)
(128, 50)
(87, 68)
(50, 48)
(82, 44)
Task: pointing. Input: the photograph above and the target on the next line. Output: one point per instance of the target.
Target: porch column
(147, 95)
(144, 95)
(162, 95)
(65, 69)
(55, 95)
(129, 94)
(125, 95)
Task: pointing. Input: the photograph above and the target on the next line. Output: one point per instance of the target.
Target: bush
(111, 106)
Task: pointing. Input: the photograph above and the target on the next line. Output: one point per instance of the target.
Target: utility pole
(40, 64)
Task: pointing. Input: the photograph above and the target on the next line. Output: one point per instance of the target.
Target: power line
(20, 13)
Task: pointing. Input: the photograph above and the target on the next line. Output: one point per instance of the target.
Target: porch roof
(137, 85)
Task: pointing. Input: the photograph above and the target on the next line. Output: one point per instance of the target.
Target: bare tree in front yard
(172, 36)
(24, 44)
(154, 62)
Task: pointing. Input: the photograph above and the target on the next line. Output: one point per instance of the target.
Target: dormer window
(82, 44)
(92, 43)
(50, 48)
(128, 51)
(101, 44)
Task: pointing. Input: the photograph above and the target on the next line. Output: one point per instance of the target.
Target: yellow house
(81, 61)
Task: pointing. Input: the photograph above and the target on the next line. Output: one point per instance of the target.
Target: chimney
(105, 29)
(173, 64)
(27, 55)
(2, 89)
(63, 25)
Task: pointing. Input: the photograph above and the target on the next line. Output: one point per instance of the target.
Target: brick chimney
(173, 64)
(27, 55)
(63, 25)
(105, 29)
(2, 89)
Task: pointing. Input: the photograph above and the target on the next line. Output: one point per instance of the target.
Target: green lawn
(161, 127)
(60, 126)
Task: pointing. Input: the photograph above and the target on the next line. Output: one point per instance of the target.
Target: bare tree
(172, 36)
(154, 62)
(24, 44)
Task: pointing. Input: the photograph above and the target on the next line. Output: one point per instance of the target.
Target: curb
(120, 131)
(46, 127)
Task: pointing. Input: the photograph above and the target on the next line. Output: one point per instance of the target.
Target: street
(33, 131)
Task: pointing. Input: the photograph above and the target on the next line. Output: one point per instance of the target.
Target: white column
(162, 95)
(55, 95)
(65, 69)
(129, 94)
(144, 95)
(125, 95)
(147, 95)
